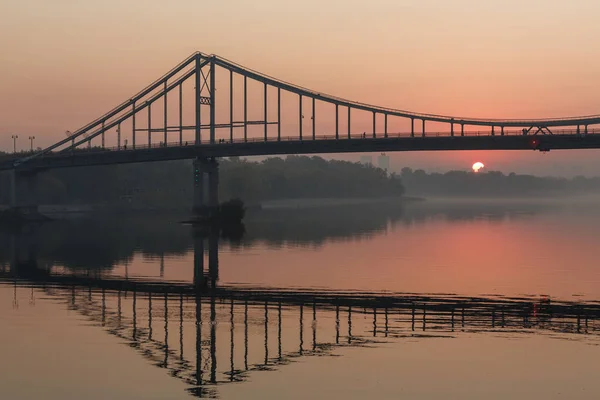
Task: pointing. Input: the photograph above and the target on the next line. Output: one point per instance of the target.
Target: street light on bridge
(14, 138)
(31, 139)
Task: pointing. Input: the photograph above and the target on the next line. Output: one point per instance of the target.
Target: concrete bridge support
(198, 202)
(213, 184)
(23, 192)
(206, 187)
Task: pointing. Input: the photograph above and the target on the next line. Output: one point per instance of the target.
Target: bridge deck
(320, 145)
(435, 303)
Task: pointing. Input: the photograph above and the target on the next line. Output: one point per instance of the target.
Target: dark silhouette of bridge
(156, 319)
(132, 129)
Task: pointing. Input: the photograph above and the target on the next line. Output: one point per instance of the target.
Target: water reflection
(222, 335)
(96, 244)
(208, 333)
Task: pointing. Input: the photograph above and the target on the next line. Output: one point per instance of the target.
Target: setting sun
(477, 166)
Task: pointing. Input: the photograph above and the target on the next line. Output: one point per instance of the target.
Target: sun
(477, 166)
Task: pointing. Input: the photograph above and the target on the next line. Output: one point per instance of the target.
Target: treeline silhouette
(493, 184)
(169, 184)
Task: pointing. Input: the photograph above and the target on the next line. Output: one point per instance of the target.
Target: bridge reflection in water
(215, 335)
(207, 334)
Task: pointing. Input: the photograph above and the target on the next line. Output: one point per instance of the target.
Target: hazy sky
(66, 62)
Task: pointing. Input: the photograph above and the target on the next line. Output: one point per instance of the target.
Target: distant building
(366, 160)
(383, 162)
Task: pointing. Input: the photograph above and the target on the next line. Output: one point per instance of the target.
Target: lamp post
(14, 138)
(31, 139)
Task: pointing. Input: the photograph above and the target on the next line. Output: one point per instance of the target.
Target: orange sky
(66, 62)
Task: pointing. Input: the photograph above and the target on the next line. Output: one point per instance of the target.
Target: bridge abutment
(23, 192)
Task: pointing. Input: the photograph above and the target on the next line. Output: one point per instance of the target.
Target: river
(428, 300)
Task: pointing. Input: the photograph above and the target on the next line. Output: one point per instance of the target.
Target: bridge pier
(23, 192)
(213, 185)
(198, 196)
(206, 197)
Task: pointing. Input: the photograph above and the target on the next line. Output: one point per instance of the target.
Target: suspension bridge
(206, 107)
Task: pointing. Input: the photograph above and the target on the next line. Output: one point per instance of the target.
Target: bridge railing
(353, 136)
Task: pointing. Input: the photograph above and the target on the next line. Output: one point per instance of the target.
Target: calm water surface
(429, 301)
